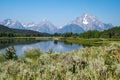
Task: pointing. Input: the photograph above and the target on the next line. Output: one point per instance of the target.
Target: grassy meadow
(89, 63)
(90, 41)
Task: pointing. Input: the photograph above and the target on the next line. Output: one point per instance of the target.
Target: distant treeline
(10, 32)
(110, 33)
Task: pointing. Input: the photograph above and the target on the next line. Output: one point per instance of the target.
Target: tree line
(110, 33)
(10, 32)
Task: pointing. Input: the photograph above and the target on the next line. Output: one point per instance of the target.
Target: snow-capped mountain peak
(43, 26)
(12, 23)
(89, 22)
(26, 25)
(9, 22)
(85, 20)
(82, 23)
(46, 22)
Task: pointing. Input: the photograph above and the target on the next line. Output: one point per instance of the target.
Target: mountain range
(81, 24)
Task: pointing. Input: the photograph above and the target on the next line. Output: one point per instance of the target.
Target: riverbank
(36, 38)
(93, 63)
(77, 40)
(90, 41)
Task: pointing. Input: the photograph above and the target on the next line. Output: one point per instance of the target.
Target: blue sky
(59, 12)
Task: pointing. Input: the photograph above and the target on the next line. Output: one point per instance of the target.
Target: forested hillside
(110, 33)
(10, 32)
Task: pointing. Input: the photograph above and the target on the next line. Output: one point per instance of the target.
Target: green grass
(89, 42)
(90, 63)
(32, 54)
(77, 40)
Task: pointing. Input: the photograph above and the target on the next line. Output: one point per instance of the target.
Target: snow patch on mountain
(12, 24)
(26, 25)
(43, 26)
(82, 23)
(85, 20)
(90, 22)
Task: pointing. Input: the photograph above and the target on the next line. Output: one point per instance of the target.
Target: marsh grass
(32, 54)
(90, 41)
(2, 57)
(93, 63)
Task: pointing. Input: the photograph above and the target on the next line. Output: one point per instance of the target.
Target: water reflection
(45, 46)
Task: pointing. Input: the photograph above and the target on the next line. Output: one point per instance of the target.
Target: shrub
(10, 53)
(2, 57)
(50, 51)
(32, 54)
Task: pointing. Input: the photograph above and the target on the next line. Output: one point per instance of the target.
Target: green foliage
(109, 59)
(93, 63)
(10, 53)
(50, 51)
(67, 34)
(84, 42)
(32, 54)
(56, 34)
(90, 34)
(10, 32)
(2, 57)
(110, 33)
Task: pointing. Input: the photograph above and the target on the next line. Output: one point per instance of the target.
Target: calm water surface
(45, 46)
